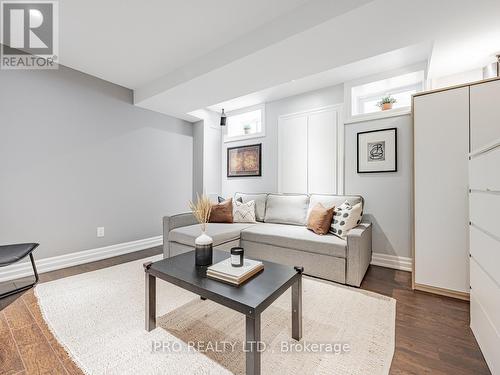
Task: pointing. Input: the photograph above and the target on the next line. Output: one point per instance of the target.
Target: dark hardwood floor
(432, 332)
(27, 347)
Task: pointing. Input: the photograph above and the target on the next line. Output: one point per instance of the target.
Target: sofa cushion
(221, 199)
(222, 212)
(244, 212)
(331, 200)
(320, 219)
(295, 237)
(220, 233)
(260, 203)
(287, 209)
(345, 218)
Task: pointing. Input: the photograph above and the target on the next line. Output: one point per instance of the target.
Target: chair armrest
(359, 253)
(172, 222)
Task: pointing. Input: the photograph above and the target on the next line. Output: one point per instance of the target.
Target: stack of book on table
(225, 272)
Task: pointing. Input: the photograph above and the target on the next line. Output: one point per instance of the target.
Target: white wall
(211, 164)
(269, 180)
(207, 143)
(387, 195)
(456, 79)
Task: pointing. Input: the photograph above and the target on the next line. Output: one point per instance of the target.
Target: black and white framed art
(378, 151)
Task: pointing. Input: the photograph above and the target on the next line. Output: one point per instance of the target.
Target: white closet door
(484, 114)
(292, 154)
(484, 230)
(322, 152)
(441, 129)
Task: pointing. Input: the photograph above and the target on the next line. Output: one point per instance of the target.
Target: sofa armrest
(173, 222)
(359, 253)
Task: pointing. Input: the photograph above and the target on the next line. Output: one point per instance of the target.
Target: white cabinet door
(485, 171)
(322, 152)
(486, 336)
(487, 293)
(441, 126)
(484, 114)
(292, 154)
(485, 314)
(484, 230)
(485, 249)
(484, 209)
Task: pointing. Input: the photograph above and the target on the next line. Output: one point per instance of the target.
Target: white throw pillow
(244, 212)
(345, 218)
(287, 209)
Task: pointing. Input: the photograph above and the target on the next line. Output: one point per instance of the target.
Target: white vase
(203, 250)
(203, 239)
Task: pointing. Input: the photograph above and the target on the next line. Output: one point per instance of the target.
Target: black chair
(11, 254)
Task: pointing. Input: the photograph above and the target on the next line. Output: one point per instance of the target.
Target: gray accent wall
(198, 150)
(387, 195)
(76, 154)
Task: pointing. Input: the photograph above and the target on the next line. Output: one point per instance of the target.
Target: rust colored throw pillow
(320, 219)
(222, 212)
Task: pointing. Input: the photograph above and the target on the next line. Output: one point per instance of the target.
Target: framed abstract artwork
(244, 161)
(378, 151)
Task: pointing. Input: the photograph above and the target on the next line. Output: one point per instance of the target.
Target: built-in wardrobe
(457, 202)
(310, 151)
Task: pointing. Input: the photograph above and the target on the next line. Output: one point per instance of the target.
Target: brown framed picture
(244, 161)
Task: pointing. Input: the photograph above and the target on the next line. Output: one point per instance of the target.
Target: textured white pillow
(345, 218)
(244, 212)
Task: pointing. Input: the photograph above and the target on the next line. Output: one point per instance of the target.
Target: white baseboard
(23, 269)
(392, 261)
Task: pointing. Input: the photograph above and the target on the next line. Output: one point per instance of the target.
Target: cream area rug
(98, 317)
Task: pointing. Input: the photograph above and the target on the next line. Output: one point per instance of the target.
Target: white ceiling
(131, 43)
(183, 55)
(357, 32)
(471, 46)
(404, 57)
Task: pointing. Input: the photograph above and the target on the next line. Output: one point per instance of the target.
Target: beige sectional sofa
(280, 235)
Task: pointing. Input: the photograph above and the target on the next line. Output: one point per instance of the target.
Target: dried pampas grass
(201, 210)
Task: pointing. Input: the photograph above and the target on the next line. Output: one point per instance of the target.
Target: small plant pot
(386, 106)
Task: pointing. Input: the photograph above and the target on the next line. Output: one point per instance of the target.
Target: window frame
(397, 90)
(260, 134)
(348, 86)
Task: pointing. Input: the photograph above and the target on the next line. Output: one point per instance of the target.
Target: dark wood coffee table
(251, 298)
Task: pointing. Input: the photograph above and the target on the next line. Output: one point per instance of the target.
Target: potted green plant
(386, 103)
(247, 128)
